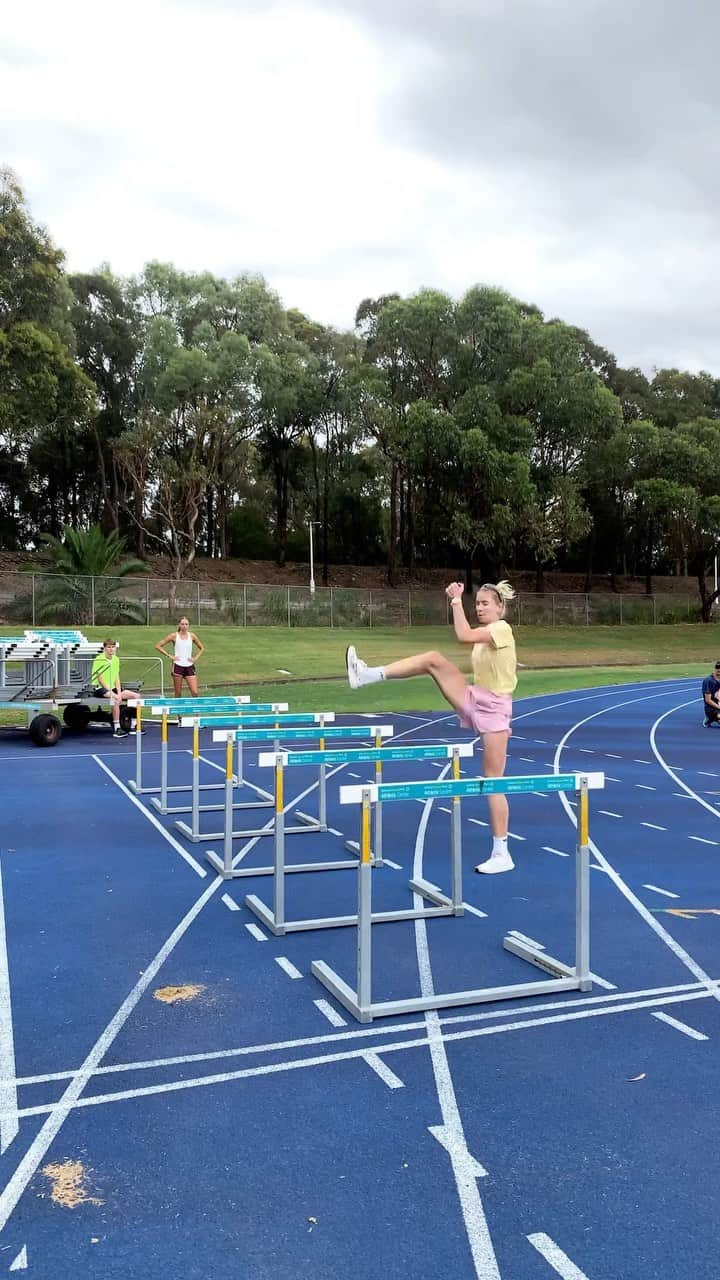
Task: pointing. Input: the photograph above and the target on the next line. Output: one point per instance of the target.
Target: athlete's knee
(435, 660)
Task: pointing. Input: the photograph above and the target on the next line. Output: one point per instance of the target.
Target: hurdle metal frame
(564, 977)
(224, 866)
(156, 706)
(274, 918)
(275, 720)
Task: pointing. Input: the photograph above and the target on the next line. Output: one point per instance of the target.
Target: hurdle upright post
(456, 889)
(228, 834)
(279, 882)
(377, 813)
(138, 750)
(364, 916)
(582, 890)
(164, 761)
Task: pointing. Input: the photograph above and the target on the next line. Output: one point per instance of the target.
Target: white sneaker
(495, 863)
(356, 668)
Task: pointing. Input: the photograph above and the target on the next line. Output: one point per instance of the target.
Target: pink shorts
(486, 712)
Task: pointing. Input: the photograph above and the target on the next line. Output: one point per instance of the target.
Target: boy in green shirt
(105, 680)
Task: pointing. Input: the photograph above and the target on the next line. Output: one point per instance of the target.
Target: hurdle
(564, 977)
(139, 704)
(224, 865)
(249, 710)
(265, 801)
(274, 918)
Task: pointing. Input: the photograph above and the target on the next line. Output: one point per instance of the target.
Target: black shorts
(183, 671)
(99, 691)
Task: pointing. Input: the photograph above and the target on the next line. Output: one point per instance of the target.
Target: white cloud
(279, 139)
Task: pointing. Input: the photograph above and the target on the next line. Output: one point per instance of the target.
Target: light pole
(312, 567)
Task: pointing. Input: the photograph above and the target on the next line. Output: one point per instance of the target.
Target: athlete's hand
(454, 591)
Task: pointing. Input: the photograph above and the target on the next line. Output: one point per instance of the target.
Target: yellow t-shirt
(495, 664)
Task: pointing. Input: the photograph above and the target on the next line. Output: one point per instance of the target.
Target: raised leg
(450, 681)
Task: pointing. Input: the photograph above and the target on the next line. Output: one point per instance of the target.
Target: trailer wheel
(76, 716)
(45, 730)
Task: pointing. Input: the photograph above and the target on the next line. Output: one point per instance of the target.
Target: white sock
(500, 846)
(371, 675)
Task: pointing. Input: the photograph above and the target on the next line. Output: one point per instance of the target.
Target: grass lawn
(553, 659)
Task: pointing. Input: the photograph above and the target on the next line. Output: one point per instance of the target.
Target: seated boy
(105, 681)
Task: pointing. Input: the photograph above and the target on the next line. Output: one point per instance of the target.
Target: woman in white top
(485, 705)
(183, 662)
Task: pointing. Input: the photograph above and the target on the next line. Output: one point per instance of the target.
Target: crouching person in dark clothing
(711, 697)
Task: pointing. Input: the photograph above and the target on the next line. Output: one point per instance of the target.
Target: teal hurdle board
(314, 731)
(361, 755)
(216, 722)
(471, 787)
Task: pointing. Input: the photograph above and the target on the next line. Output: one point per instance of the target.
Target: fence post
(33, 600)
(199, 622)
(332, 621)
(92, 600)
(244, 604)
(654, 612)
(370, 604)
(587, 610)
(553, 608)
(147, 602)
(519, 609)
(621, 613)
(289, 619)
(409, 608)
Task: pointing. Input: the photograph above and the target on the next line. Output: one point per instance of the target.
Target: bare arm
(463, 631)
(160, 646)
(198, 645)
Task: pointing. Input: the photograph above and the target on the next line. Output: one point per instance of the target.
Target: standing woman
(183, 662)
(485, 706)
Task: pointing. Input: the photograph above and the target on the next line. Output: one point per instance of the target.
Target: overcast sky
(566, 150)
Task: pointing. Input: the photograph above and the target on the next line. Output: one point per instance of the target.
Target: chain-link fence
(39, 599)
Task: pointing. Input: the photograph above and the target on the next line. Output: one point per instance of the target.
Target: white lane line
(683, 795)
(8, 1093)
(610, 756)
(608, 813)
(680, 1026)
(353, 775)
(608, 778)
(515, 933)
(230, 903)
(642, 761)
(477, 822)
(702, 840)
(642, 786)
(333, 1017)
(653, 826)
(444, 810)
(544, 795)
(288, 967)
(256, 932)
(651, 921)
(380, 1068)
(665, 892)
(20, 1262)
(704, 774)
(512, 835)
(475, 911)
(587, 751)
(553, 1254)
(187, 857)
(547, 848)
(526, 759)
(225, 1077)
(387, 862)
(542, 742)
(444, 1138)
(333, 831)
(658, 996)
(594, 866)
(603, 982)
(462, 1163)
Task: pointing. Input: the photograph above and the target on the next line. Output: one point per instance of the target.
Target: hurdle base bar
(212, 808)
(347, 997)
(239, 873)
(256, 831)
(543, 961)
(145, 791)
(267, 916)
(354, 847)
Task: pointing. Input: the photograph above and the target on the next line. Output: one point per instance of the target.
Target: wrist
(455, 600)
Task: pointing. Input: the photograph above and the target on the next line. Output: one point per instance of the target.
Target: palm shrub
(83, 581)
